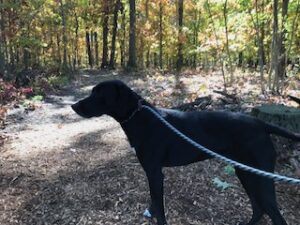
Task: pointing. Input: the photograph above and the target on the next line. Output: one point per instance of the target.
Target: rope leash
(273, 176)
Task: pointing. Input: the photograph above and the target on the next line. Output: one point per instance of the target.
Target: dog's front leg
(155, 179)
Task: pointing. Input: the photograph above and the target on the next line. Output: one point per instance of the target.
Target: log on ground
(284, 116)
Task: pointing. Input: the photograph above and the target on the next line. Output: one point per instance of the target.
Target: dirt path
(61, 169)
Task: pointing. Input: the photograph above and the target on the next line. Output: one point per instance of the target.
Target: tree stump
(284, 116)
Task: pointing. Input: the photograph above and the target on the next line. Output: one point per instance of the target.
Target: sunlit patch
(87, 88)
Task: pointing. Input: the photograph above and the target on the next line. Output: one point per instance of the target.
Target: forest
(163, 34)
(236, 59)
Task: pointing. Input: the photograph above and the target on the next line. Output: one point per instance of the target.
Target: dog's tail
(273, 129)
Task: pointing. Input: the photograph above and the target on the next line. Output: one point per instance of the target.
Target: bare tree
(132, 29)
(122, 35)
(76, 49)
(148, 46)
(282, 40)
(104, 63)
(219, 57)
(275, 50)
(2, 39)
(180, 44)
(294, 28)
(96, 47)
(278, 66)
(227, 41)
(114, 34)
(65, 40)
(259, 30)
(88, 48)
(160, 34)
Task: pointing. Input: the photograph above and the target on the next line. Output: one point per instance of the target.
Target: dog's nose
(75, 106)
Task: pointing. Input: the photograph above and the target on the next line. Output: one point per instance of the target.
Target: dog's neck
(134, 107)
(138, 108)
(129, 124)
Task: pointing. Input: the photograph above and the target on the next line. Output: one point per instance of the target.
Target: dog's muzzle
(75, 106)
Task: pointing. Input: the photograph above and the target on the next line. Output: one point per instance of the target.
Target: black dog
(237, 136)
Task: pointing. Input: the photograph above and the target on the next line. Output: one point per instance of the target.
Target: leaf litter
(57, 168)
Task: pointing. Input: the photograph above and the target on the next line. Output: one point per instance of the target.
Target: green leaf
(221, 184)
(84, 3)
(229, 170)
(37, 98)
(203, 88)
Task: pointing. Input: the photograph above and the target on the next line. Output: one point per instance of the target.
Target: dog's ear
(122, 93)
(125, 95)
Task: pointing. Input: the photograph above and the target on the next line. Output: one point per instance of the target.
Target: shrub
(8, 92)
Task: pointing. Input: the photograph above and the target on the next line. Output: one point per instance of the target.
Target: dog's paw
(147, 214)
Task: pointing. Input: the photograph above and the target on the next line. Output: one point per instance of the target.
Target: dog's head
(113, 98)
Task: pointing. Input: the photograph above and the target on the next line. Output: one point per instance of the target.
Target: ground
(58, 168)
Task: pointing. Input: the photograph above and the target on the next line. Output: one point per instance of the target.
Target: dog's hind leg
(260, 154)
(267, 200)
(262, 195)
(256, 209)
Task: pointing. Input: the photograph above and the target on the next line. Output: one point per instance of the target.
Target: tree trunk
(132, 48)
(2, 40)
(180, 35)
(155, 59)
(294, 28)
(12, 58)
(123, 35)
(140, 60)
(114, 34)
(63, 17)
(104, 63)
(275, 48)
(2, 60)
(96, 48)
(76, 57)
(148, 58)
(218, 58)
(58, 48)
(195, 38)
(279, 50)
(92, 43)
(160, 35)
(282, 40)
(10, 47)
(4, 36)
(227, 42)
(26, 53)
(262, 31)
(142, 35)
(260, 42)
(147, 44)
(88, 49)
